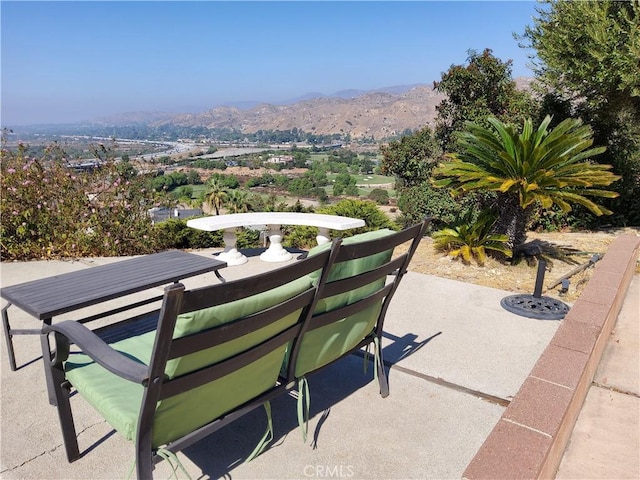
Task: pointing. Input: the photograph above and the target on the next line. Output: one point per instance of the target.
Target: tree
(342, 184)
(215, 194)
(587, 56)
(238, 201)
(380, 196)
(411, 158)
(475, 91)
(589, 51)
(183, 193)
(46, 212)
(534, 166)
(227, 181)
(126, 170)
(366, 166)
(193, 177)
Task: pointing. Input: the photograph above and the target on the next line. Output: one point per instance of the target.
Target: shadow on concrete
(225, 449)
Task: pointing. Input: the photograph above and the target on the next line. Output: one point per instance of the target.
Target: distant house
(160, 214)
(280, 159)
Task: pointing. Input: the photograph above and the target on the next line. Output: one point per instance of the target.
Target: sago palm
(535, 166)
(469, 239)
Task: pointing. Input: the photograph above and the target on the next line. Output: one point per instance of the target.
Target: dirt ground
(521, 278)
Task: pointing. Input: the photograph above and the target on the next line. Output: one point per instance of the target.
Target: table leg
(46, 361)
(9, 338)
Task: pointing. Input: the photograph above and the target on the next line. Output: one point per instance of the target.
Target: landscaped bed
(521, 278)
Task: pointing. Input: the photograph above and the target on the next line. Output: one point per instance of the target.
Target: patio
(457, 359)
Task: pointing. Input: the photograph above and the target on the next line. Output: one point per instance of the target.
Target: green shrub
(300, 236)
(202, 239)
(423, 200)
(469, 239)
(375, 219)
(552, 219)
(380, 196)
(247, 238)
(366, 210)
(174, 233)
(50, 211)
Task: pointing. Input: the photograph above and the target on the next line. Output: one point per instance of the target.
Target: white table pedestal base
(231, 255)
(276, 252)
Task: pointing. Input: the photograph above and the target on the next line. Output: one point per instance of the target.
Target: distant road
(172, 148)
(234, 152)
(177, 148)
(375, 185)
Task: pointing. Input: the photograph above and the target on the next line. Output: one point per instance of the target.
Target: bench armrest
(69, 331)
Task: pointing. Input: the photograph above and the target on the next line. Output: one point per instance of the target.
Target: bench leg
(231, 255)
(323, 236)
(275, 252)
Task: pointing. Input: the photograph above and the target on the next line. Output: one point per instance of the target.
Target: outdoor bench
(225, 349)
(270, 221)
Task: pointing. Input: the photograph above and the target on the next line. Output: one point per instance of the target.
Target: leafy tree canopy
(588, 59)
(411, 158)
(589, 51)
(481, 88)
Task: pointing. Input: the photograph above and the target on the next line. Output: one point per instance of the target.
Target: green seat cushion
(119, 401)
(325, 344)
(116, 399)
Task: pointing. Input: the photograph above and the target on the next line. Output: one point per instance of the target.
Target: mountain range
(373, 114)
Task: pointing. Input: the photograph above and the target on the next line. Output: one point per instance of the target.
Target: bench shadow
(219, 453)
(222, 451)
(402, 347)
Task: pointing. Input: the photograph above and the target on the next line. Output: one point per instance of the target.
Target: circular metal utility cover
(530, 306)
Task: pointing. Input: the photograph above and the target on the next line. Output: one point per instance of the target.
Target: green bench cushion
(325, 344)
(119, 401)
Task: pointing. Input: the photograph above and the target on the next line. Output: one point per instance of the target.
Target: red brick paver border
(529, 440)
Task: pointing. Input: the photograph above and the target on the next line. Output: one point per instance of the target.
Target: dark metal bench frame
(177, 300)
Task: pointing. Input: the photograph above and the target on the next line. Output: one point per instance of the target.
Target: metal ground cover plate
(531, 306)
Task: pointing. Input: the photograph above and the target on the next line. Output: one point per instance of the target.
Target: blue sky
(73, 61)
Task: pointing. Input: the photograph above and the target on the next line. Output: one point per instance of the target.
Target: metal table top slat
(48, 297)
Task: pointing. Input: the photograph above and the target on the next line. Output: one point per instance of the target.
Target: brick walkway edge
(530, 438)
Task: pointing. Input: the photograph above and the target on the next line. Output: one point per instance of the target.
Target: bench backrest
(217, 349)
(352, 303)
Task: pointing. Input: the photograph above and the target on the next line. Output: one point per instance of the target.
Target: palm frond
(468, 239)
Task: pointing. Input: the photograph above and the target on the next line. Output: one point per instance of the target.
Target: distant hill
(376, 114)
(362, 114)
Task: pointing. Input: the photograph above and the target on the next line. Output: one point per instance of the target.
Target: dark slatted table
(49, 297)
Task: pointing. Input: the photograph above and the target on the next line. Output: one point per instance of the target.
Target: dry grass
(521, 278)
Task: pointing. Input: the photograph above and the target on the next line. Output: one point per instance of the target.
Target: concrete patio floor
(456, 359)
